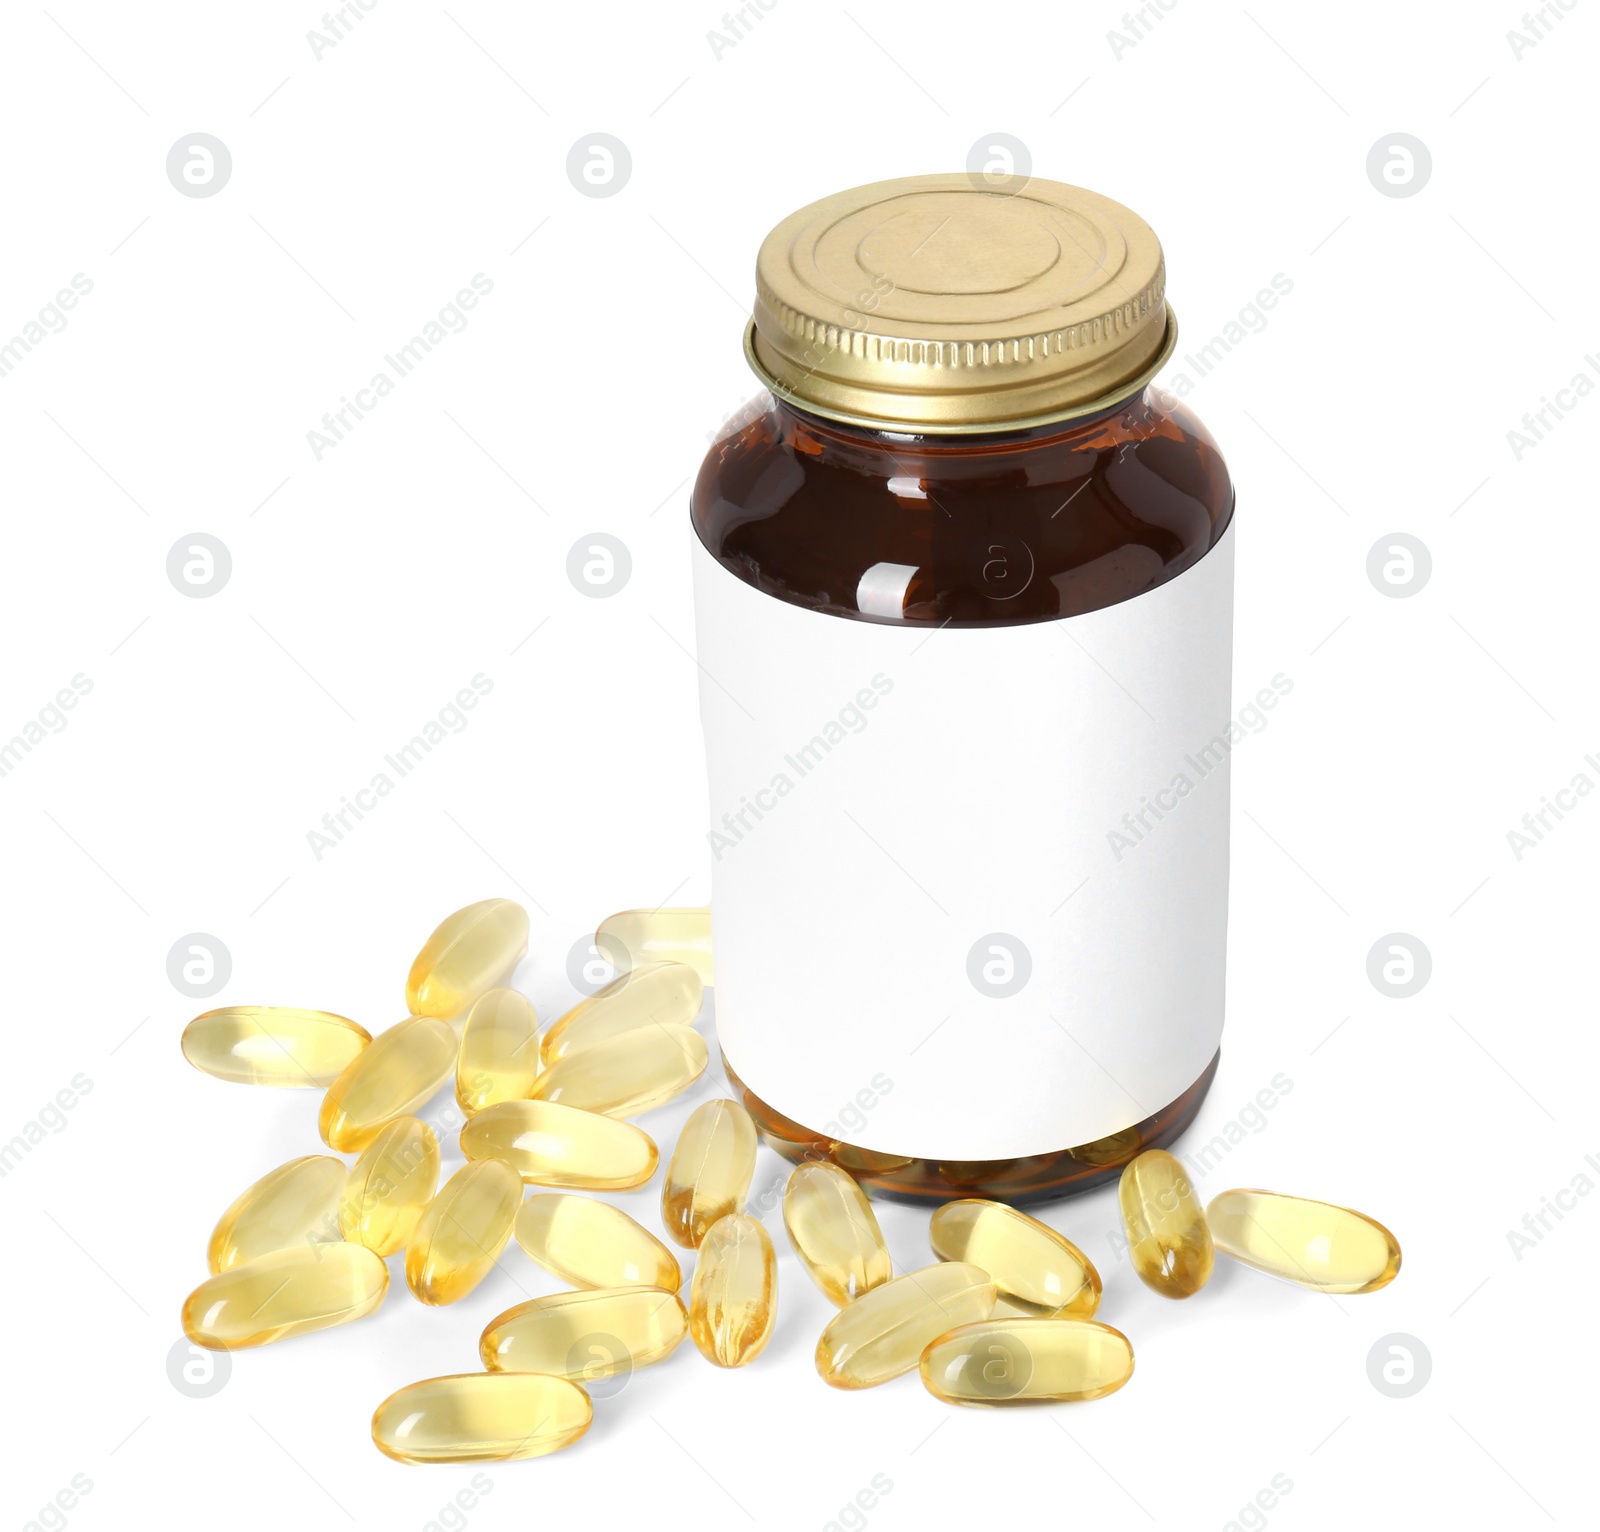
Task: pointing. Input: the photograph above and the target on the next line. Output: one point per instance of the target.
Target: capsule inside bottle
(733, 1300)
(834, 1232)
(632, 938)
(549, 1144)
(627, 1074)
(468, 953)
(709, 1174)
(273, 1045)
(390, 1185)
(1319, 1245)
(478, 1417)
(1168, 1241)
(296, 1204)
(462, 1231)
(394, 1076)
(593, 1244)
(658, 994)
(586, 1336)
(1027, 1361)
(1042, 1273)
(285, 1293)
(885, 1331)
(499, 1057)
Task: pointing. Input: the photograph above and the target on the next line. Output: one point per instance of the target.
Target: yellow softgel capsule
(481, 1417)
(835, 1232)
(467, 954)
(710, 1170)
(1027, 1361)
(549, 1144)
(396, 1074)
(1042, 1273)
(1319, 1245)
(632, 938)
(628, 1074)
(884, 1332)
(664, 994)
(273, 1045)
(586, 1336)
(462, 1231)
(592, 1244)
(499, 1058)
(389, 1186)
(733, 1300)
(1168, 1240)
(296, 1204)
(284, 1293)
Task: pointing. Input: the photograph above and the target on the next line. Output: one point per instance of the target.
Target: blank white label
(969, 885)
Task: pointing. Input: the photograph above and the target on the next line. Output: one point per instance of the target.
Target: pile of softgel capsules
(1004, 1316)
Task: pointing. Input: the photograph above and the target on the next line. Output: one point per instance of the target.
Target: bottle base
(1033, 1178)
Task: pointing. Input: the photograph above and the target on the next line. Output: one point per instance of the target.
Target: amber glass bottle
(963, 591)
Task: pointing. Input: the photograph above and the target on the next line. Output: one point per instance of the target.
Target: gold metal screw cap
(936, 304)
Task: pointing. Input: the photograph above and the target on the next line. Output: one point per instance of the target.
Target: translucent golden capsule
(397, 1073)
(481, 1417)
(868, 1161)
(554, 1145)
(667, 994)
(499, 1058)
(1110, 1150)
(469, 952)
(592, 1244)
(628, 1074)
(632, 938)
(273, 1045)
(1315, 1244)
(710, 1170)
(885, 1331)
(462, 1231)
(834, 1232)
(1168, 1240)
(287, 1292)
(1041, 1273)
(1027, 1361)
(296, 1204)
(733, 1300)
(389, 1186)
(586, 1336)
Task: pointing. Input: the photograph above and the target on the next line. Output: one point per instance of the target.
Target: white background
(367, 588)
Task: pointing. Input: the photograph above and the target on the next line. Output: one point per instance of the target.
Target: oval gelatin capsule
(667, 994)
(468, 953)
(481, 1417)
(1041, 1272)
(462, 1231)
(296, 1204)
(1027, 1361)
(710, 1170)
(273, 1045)
(884, 1332)
(835, 1232)
(553, 1145)
(627, 1074)
(733, 1300)
(499, 1058)
(592, 1244)
(1168, 1240)
(390, 1185)
(287, 1292)
(632, 938)
(395, 1075)
(586, 1336)
(1319, 1245)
